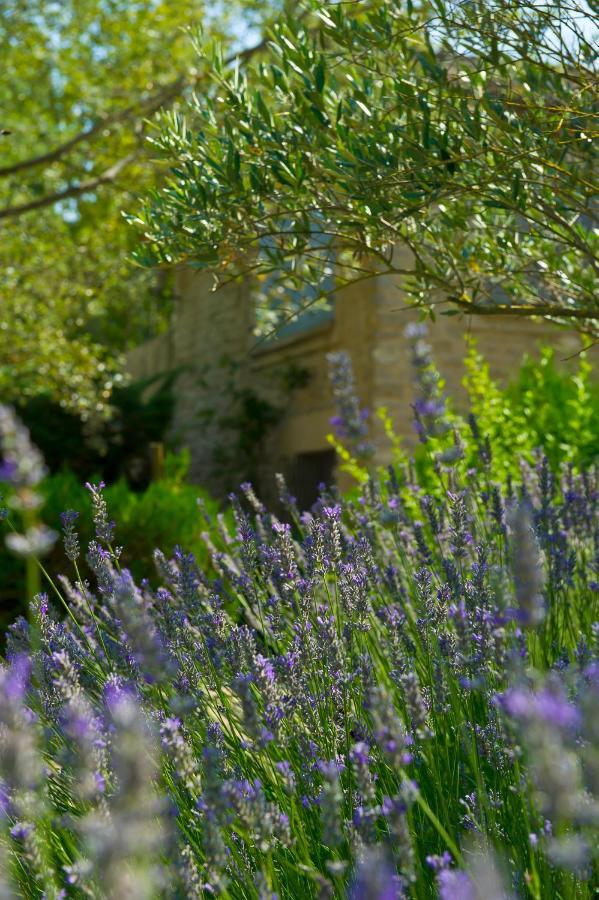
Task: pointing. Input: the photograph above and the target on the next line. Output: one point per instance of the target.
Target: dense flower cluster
(394, 695)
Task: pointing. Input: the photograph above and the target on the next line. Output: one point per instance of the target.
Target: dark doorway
(306, 472)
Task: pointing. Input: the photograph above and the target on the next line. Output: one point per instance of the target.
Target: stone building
(257, 407)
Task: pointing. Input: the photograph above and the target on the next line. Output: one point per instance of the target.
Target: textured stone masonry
(208, 328)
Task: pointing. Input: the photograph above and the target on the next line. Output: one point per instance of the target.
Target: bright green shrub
(544, 407)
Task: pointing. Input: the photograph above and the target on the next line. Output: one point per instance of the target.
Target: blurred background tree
(79, 80)
(462, 132)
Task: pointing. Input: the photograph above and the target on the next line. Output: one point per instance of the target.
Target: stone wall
(208, 328)
(502, 340)
(307, 411)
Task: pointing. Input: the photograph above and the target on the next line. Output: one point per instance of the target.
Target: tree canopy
(80, 79)
(462, 132)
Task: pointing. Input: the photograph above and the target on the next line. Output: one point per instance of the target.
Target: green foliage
(545, 408)
(562, 413)
(112, 448)
(447, 142)
(347, 462)
(542, 407)
(166, 514)
(80, 78)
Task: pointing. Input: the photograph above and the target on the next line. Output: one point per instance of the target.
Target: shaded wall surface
(210, 340)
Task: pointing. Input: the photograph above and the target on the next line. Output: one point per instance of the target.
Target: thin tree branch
(556, 312)
(108, 175)
(150, 105)
(138, 110)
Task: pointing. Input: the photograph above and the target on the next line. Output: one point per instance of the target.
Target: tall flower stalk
(22, 468)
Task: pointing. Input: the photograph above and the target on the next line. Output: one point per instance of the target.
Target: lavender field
(393, 695)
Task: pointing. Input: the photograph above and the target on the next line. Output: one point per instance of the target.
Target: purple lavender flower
(70, 537)
(21, 463)
(17, 677)
(104, 527)
(36, 541)
(454, 884)
(20, 831)
(184, 762)
(430, 405)
(528, 575)
(550, 706)
(375, 878)
(439, 863)
(351, 422)
(302, 676)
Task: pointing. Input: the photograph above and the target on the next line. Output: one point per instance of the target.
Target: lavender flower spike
(526, 567)
(104, 527)
(21, 463)
(351, 422)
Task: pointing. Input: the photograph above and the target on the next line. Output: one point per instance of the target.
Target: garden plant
(395, 694)
(447, 142)
(80, 80)
(163, 515)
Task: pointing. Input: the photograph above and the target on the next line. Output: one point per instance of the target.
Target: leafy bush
(395, 696)
(166, 514)
(544, 409)
(113, 447)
